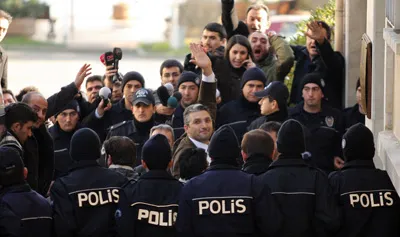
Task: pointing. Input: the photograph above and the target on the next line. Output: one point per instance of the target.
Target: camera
(112, 59)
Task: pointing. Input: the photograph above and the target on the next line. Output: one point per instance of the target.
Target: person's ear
(15, 127)
(171, 162)
(109, 160)
(244, 155)
(25, 173)
(144, 164)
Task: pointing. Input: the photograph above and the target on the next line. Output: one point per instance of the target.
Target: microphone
(105, 95)
(170, 88)
(108, 58)
(163, 95)
(102, 59)
(117, 55)
(177, 95)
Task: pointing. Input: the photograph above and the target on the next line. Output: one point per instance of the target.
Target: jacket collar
(23, 187)
(257, 162)
(222, 167)
(288, 160)
(268, 60)
(83, 164)
(157, 174)
(368, 164)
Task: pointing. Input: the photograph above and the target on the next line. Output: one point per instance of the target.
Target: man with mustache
(318, 56)
(257, 19)
(272, 54)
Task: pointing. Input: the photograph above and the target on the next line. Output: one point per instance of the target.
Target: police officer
(324, 124)
(272, 104)
(303, 192)
(67, 122)
(28, 209)
(138, 129)
(151, 205)
(367, 198)
(242, 207)
(85, 200)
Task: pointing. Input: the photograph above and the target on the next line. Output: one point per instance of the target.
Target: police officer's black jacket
(61, 139)
(323, 132)
(304, 197)
(279, 116)
(137, 131)
(85, 200)
(225, 201)
(117, 114)
(352, 116)
(329, 63)
(256, 164)
(367, 199)
(151, 206)
(238, 110)
(10, 224)
(32, 210)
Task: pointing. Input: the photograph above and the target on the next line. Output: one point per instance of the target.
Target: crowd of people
(240, 154)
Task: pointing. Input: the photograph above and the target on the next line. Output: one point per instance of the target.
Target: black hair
(216, 27)
(192, 162)
(121, 149)
(238, 39)
(94, 78)
(258, 142)
(19, 113)
(358, 84)
(171, 63)
(6, 91)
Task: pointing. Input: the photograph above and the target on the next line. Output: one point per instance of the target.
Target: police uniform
(85, 200)
(366, 196)
(323, 134)
(24, 207)
(225, 201)
(302, 192)
(150, 205)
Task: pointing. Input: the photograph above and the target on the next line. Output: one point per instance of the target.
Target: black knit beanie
(224, 144)
(132, 76)
(73, 104)
(358, 143)
(188, 76)
(315, 78)
(290, 139)
(85, 145)
(253, 74)
(156, 152)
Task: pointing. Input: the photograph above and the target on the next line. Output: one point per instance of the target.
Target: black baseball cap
(276, 89)
(144, 96)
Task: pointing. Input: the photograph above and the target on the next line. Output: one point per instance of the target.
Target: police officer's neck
(312, 109)
(128, 104)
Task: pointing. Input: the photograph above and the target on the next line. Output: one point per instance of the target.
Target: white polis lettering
(222, 206)
(367, 200)
(159, 218)
(98, 198)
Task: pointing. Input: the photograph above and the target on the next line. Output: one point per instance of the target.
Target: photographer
(108, 114)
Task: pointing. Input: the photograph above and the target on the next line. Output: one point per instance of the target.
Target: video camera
(112, 59)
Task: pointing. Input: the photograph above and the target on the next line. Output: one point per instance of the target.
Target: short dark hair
(171, 63)
(24, 91)
(192, 162)
(216, 27)
(358, 84)
(258, 142)
(239, 39)
(6, 15)
(327, 28)
(6, 91)
(271, 126)
(94, 78)
(19, 113)
(121, 149)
